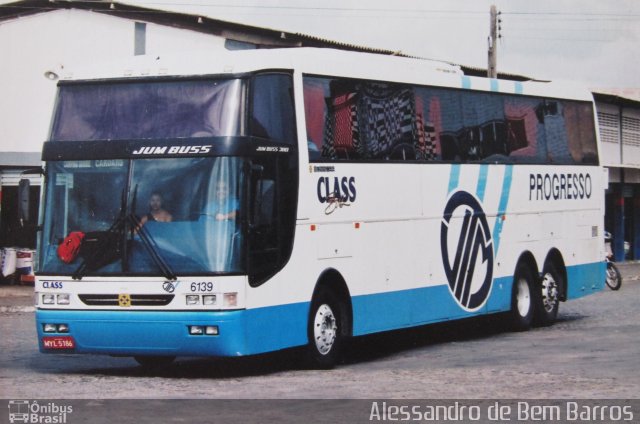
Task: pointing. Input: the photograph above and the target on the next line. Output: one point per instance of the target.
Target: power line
(300, 8)
(386, 10)
(360, 9)
(571, 40)
(329, 16)
(260, 12)
(573, 15)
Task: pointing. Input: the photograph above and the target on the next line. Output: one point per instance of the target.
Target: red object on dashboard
(70, 247)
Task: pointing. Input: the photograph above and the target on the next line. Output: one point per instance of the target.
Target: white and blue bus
(260, 200)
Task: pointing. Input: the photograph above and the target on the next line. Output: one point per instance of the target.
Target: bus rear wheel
(324, 330)
(522, 305)
(547, 299)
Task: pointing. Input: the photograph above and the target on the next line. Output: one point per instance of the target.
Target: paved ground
(591, 352)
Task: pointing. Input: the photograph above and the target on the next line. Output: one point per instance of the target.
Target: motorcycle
(613, 278)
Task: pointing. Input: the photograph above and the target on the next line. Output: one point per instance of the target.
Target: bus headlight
(209, 299)
(193, 299)
(63, 299)
(231, 299)
(196, 330)
(48, 299)
(49, 328)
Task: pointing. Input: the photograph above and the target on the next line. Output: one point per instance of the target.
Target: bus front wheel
(522, 305)
(325, 329)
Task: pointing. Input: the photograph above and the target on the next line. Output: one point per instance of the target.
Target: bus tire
(154, 362)
(547, 296)
(324, 329)
(522, 305)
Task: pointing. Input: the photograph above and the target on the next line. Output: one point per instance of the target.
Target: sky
(593, 42)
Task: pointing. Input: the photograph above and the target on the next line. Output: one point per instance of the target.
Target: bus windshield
(148, 110)
(138, 216)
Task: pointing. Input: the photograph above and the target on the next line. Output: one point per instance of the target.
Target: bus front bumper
(143, 333)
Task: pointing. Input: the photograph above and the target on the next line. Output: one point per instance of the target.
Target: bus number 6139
(202, 287)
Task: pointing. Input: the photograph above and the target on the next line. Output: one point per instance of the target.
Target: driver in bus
(156, 212)
(224, 207)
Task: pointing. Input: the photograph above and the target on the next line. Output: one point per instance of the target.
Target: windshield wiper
(148, 242)
(152, 248)
(110, 245)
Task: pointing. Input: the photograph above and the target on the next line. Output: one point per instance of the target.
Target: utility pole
(492, 70)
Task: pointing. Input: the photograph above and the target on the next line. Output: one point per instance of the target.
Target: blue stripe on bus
(494, 84)
(518, 87)
(387, 311)
(585, 279)
(482, 182)
(265, 329)
(407, 308)
(502, 207)
(243, 332)
(466, 82)
(454, 177)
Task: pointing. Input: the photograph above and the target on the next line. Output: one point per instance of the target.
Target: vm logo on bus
(467, 251)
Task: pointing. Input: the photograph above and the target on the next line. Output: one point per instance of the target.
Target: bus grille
(136, 299)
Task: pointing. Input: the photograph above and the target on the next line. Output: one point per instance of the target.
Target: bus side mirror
(24, 205)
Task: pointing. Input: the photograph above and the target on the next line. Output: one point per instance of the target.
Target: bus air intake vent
(136, 299)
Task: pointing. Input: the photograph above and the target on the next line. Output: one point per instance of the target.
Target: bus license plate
(63, 342)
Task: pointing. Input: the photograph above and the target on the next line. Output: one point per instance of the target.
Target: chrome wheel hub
(549, 292)
(523, 297)
(325, 329)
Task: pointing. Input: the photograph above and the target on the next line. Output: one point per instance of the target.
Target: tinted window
(363, 120)
(187, 209)
(148, 110)
(272, 113)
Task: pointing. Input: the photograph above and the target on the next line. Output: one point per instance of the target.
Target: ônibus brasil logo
(465, 239)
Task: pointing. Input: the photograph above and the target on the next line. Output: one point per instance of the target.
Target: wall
(61, 41)
(609, 121)
(622, 199)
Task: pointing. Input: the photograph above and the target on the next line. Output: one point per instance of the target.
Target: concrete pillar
(618, 230)
(636, 227)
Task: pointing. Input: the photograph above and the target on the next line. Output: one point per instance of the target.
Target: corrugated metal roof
(626, 93)
(619, 100)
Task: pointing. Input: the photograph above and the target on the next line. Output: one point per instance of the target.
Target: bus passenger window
(580, 132)
(449, 147)
(314, 113)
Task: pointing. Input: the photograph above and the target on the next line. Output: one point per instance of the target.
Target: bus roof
(326, 62)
